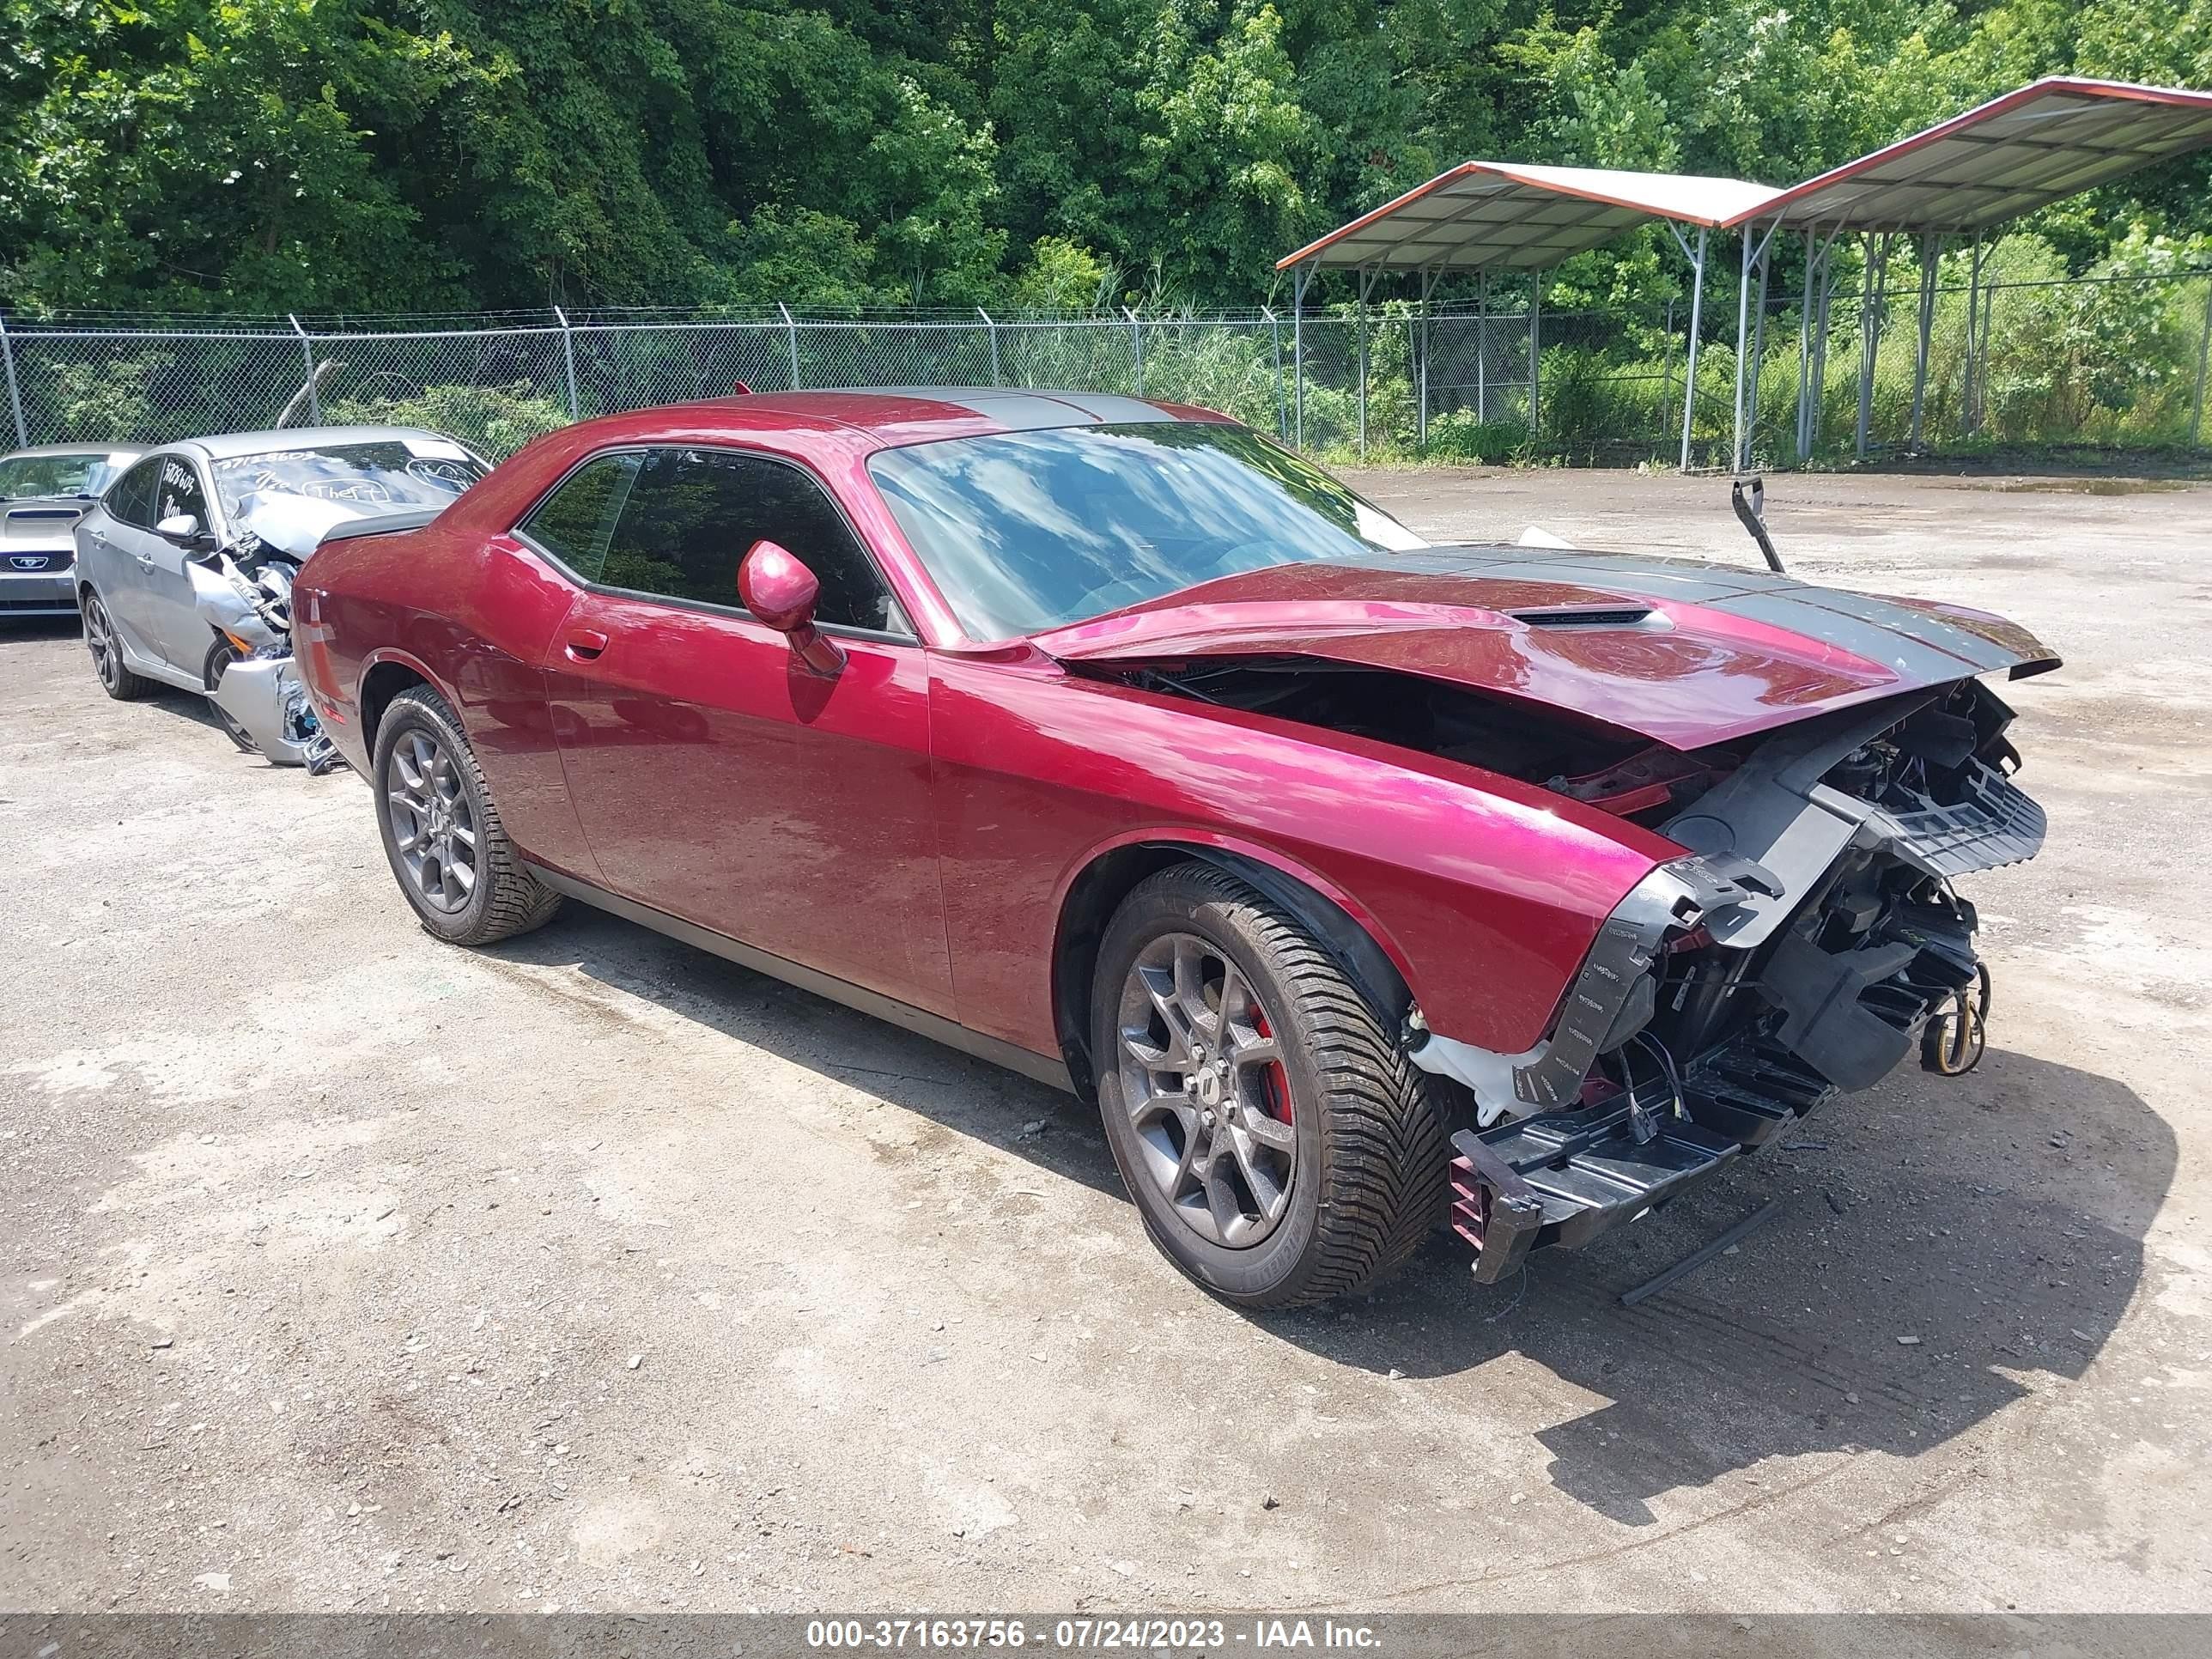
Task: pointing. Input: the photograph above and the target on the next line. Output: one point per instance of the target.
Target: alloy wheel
(99, 639)
(433, 826)
(1202, 1079)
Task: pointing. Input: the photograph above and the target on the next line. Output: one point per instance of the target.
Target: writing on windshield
(370, 477)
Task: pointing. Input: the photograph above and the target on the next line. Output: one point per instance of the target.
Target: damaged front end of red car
(1828, 763)
(1806, 944)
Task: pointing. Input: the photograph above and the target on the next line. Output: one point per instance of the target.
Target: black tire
(1369, 1175)
(220, 656)
(503, 898)
(107, 651)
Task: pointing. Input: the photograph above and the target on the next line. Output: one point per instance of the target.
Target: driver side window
(694, 514)
(177, 489)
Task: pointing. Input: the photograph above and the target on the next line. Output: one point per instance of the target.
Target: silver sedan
(136, 550)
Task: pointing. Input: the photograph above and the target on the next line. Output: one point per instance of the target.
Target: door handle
(584, 644)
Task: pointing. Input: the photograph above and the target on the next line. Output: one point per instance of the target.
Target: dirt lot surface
(342, 1269)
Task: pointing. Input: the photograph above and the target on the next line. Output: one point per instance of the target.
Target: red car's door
(716, 779)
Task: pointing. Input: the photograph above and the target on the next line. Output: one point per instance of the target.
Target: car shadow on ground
(191, 705)
(1996, 1219)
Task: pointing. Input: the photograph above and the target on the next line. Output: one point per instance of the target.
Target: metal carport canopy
(1502, 216)
(1492, 216)
(2050, 139)
(2041, 144)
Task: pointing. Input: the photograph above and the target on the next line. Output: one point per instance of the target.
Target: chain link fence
(2119, 363)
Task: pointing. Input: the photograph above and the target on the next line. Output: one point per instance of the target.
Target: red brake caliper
(1274, 1082)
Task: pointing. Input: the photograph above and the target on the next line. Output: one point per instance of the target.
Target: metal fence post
(1282, 411)
(308, 357)
(1136, 346)
(23, 433)
(569, 361)
(993, 329)
(791, 335)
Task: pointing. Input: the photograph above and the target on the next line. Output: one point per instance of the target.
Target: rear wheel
(441, 833)
(1279, 1146)
(115, 678)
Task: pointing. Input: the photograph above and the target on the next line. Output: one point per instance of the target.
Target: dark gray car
(44, 491)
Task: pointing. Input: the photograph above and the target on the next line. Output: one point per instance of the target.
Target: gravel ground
(342, 1269)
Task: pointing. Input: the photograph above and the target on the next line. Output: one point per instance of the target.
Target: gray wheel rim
(1201, 1067)
(433, 829)
(99, 639)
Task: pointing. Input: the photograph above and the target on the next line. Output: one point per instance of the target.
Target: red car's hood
(1684, 653)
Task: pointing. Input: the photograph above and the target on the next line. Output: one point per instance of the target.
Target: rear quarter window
(576, 521)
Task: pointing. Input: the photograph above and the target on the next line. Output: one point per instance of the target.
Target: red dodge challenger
(1366, 884)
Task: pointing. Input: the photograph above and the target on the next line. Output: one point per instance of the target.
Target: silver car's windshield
(373, 477)
(88, 475)
(1028, 531)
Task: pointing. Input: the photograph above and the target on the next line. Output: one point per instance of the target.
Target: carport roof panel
(2047, 141)
(1496, 214)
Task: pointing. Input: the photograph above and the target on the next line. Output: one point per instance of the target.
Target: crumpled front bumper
(263, 695)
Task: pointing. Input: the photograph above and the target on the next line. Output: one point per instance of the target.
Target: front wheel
(1279, 1146)
(442, 832)
(220, 656)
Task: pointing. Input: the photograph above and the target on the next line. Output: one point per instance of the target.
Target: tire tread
(518, 903)
(1385, 1157)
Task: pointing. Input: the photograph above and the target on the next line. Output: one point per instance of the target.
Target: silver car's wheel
(433, 829)
(1202, 1079)
(115, 676)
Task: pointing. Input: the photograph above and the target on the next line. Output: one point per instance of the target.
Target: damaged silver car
(185, 570)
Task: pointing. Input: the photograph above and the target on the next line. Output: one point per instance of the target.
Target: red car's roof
(905, 414)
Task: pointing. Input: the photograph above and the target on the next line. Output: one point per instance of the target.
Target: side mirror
(182, 529)
(781, 591)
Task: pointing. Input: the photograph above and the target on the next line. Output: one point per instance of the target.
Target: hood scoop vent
(1589, 616)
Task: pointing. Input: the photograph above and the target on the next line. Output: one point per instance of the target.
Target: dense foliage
(327, 155)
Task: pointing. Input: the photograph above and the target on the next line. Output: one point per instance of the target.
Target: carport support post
(1759, 336)
(2196, 405)
(1298, 277)
(1873, 290)
(568, 361)
(1535, 353)
(1696, 313)
(23, 433)
(1429, 281)
(308, 357)
(1364, 278)
(1931, 252)
(1805, 344)
(1482, 348)
(791, 339)
(1738, 447)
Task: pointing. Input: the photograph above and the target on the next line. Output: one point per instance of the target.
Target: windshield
(369, 477)
(1030, 531)
(88, 474)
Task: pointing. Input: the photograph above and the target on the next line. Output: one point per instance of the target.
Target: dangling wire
(1667, 1068)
